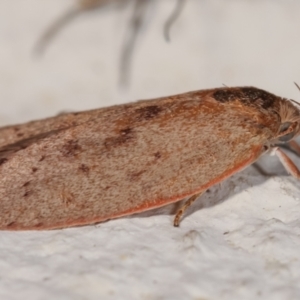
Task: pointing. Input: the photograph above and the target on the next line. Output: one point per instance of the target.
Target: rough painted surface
(245, 247)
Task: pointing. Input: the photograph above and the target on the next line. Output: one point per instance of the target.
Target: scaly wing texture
(122, 160)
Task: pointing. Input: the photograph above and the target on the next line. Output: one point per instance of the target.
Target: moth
(136, 22)
(88, 167)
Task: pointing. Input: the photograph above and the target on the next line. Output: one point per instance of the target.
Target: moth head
(290, 121)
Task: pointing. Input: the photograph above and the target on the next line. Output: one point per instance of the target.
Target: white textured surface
(242, 239)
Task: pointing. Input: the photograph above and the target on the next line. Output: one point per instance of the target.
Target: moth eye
(287, 137)
(284, 127)
(290, 134)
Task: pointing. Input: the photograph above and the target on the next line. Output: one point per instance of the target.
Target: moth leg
(54, 28)
(294, 146)
(186, 205)
(287, 163)
(172, 18)
(67, 17)
(135, 24)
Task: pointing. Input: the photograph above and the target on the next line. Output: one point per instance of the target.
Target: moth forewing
(84, 168)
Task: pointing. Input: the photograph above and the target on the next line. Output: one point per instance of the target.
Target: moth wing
(130, 159)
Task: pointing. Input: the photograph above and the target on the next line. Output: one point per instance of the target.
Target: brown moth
(88, 167)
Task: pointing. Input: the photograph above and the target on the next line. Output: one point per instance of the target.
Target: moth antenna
(135, 25)
(296, 84)
(295, 102)
(298, 87)
(172, 18)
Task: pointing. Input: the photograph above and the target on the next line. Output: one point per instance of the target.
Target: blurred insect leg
(287, 163)
(91, 4)
(67, 17)
(172, 18)
(52, 31)
(121, 4)
(294, 146)
(186, 205)
(135, 25)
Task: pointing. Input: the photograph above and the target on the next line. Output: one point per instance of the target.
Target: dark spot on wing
(249, 96)
(136, 175)
(84, 168)
(23, 144)
(26, 183)
(225, 95)
(263, 98)
(27, 193)
(20, 134)
(34, 170)
(42, 158)
(157, 155)
(126, 131)
(3, 160)
(125, 135)
(71, 148)
(148, 112)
